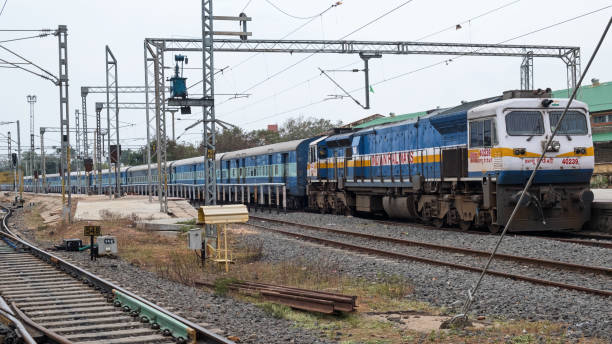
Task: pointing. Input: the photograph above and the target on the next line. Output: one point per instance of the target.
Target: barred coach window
(524, 123)
(574, 123)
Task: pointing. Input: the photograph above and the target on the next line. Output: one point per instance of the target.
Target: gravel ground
(512, 244)
(586, 314)
(224, 315)
(589, 279)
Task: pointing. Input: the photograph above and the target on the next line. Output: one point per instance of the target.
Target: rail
(397, 255)
(202, 335)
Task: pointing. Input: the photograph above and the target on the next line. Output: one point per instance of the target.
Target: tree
(301, 128)
(232, 139)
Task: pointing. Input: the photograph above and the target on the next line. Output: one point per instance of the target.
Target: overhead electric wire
(341, 38)
(454, 26)
(426, 36)
(230, 68)
(27, 70)
(502, 42)
(289, 14)
(3, 6)
(441, 62)
(24, 38)
(245, 6)
(30, 62)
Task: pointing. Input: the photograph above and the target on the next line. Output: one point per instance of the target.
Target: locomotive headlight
(519, 151)
(580, 150)
(556, 146)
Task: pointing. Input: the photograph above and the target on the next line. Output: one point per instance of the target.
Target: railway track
(596, 240)
(604, 271)
(67, 304)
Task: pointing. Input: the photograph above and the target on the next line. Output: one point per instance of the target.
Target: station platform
(601, 214)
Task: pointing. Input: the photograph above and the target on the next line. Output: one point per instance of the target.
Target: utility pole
(62, 82)
(366, 70)
(173, 111)
(78, 149)
(10, 157)
(99, 139)
(43, 160)
(112, 101)
(32, 100)
(19, 170)
(85, 149)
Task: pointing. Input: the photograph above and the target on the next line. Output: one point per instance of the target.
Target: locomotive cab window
(574, 123)
(483, 133)
(524, 123)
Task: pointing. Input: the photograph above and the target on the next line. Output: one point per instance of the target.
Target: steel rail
(522, 259)
(202, 335)
(573, 241)
(396, 255)
(7, 313)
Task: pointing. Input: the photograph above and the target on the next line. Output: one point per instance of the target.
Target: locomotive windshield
(524, 123)
(574, 123)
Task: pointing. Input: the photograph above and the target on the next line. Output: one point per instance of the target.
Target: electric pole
(32, 100)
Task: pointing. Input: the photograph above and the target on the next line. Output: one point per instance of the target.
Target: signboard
(6, 177)
(88, 162)
(91, 231)
(113, 153)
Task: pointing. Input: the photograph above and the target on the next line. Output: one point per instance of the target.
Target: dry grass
(170, 258)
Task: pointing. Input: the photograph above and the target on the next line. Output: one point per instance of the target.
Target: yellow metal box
(220, 214)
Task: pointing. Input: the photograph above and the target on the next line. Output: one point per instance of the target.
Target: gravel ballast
(586, 314)
(223, 315)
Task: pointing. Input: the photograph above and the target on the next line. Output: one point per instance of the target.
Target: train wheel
(438, 223)
(494, 228)
(465, 225)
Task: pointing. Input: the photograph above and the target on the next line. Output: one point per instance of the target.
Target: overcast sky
(124, 24)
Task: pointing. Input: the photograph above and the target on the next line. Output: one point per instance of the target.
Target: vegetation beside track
(374, 322)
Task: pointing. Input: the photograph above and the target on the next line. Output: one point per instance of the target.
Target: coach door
(285, 162)
(270, 168)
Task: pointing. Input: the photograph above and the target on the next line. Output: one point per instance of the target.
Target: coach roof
(273, 148)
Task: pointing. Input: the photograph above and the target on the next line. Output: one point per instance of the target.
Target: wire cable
(454, 27)
(341, 38)
(24, 38)
(245, 6)
(30, 62)
(3, 6)
(445, 61)
(470, 299)
(285, 36)
(289, 14)
(502, 42)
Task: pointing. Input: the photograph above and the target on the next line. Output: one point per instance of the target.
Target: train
(463, 166)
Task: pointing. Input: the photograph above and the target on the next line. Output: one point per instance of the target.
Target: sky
(301, 89)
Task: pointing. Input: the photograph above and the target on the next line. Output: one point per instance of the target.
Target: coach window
(483, 133)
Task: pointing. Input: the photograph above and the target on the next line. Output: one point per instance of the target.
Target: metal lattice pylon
(62, 37)
(112, 118)
(98, 148)
(527, 72)
(77, 138)
(208, 114)
(149, 91)
(155, 55)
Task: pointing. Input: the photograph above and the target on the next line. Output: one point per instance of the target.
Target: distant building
(598, 97)
(361, 121)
